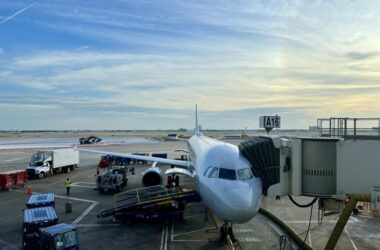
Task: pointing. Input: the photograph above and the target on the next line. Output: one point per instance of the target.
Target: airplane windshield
(208, 170)
(229, 174)
(244, 174)
(213, 173)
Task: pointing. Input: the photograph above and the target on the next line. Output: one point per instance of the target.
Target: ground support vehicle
(160, 155)
(89, 140)
(12, 178)
(41, 200)
(151, 204)
(113, 180)
(34, 220)
(59, 237)
(40, 228)
(111, 160)
(48, 162)
(135, 161)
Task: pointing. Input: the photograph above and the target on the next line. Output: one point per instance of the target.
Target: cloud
(354, 55)
(235, 59)
(84, 47)
(16, 13)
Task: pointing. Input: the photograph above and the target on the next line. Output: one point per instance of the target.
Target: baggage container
(12, 178)
(34, 220)
(41, 200)
(160, 155)
(60, 237)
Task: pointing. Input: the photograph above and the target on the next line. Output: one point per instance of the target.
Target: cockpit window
(214, 173)
(208, 170)
(244, 174)
(228, 174)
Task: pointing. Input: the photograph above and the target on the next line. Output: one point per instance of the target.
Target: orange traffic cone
(29, 191)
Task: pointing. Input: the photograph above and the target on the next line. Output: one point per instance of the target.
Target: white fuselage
(223, 180)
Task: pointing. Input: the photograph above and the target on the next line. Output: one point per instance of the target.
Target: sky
(97, 64)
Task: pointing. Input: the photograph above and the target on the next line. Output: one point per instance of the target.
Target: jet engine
(152, 176)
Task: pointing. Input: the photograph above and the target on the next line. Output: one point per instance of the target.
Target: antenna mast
(196, 119)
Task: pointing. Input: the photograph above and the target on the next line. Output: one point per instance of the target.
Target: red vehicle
(12, 178)
(104, 161)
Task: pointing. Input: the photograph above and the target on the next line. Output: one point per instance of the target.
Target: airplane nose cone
(242, 204)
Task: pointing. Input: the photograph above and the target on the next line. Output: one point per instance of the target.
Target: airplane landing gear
(173, 181)
(226, 234)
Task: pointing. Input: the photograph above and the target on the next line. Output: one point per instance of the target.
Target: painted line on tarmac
(248, 239)
(89, 183)
(349, 237)
(243, 230)
(190, 240)
(12, 159)
(194, 231)
(80, 217)
(98, 225)
(164, 238)
(309, 236)
(314, 221)
(76, 184)
(74, 199)
(278, 231)
(77, 220)
(73, 176)
(58, 182)
(172, 233)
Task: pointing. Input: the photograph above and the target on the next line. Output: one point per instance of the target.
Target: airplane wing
(179, 171)
(180, 163)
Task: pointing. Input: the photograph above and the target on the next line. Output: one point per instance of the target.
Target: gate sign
(270, 122)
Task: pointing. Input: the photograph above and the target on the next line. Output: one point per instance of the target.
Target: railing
(145, 194)
(350, 128)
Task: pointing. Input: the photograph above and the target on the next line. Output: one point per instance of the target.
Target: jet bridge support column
(338, 229)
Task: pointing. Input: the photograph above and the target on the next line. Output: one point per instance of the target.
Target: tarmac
(195, 232)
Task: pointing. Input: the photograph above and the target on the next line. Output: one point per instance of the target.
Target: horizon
(143, 65)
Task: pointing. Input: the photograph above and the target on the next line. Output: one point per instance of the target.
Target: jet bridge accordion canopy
(264, 158)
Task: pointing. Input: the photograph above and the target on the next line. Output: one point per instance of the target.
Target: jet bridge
(270, 160)
(328, 167)
(346, 164)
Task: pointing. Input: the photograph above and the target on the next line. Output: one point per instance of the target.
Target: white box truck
(49, 162)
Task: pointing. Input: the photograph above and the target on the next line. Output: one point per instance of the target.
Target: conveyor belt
(146, 198)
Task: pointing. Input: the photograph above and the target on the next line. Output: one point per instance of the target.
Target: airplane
(223, 177)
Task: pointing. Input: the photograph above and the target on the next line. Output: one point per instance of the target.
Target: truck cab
(49, 162)
(59, 237)
(40, 164)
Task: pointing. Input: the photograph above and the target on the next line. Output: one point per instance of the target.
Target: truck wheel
(41, 175)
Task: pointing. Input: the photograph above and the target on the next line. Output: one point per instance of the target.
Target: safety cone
(29, 191)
